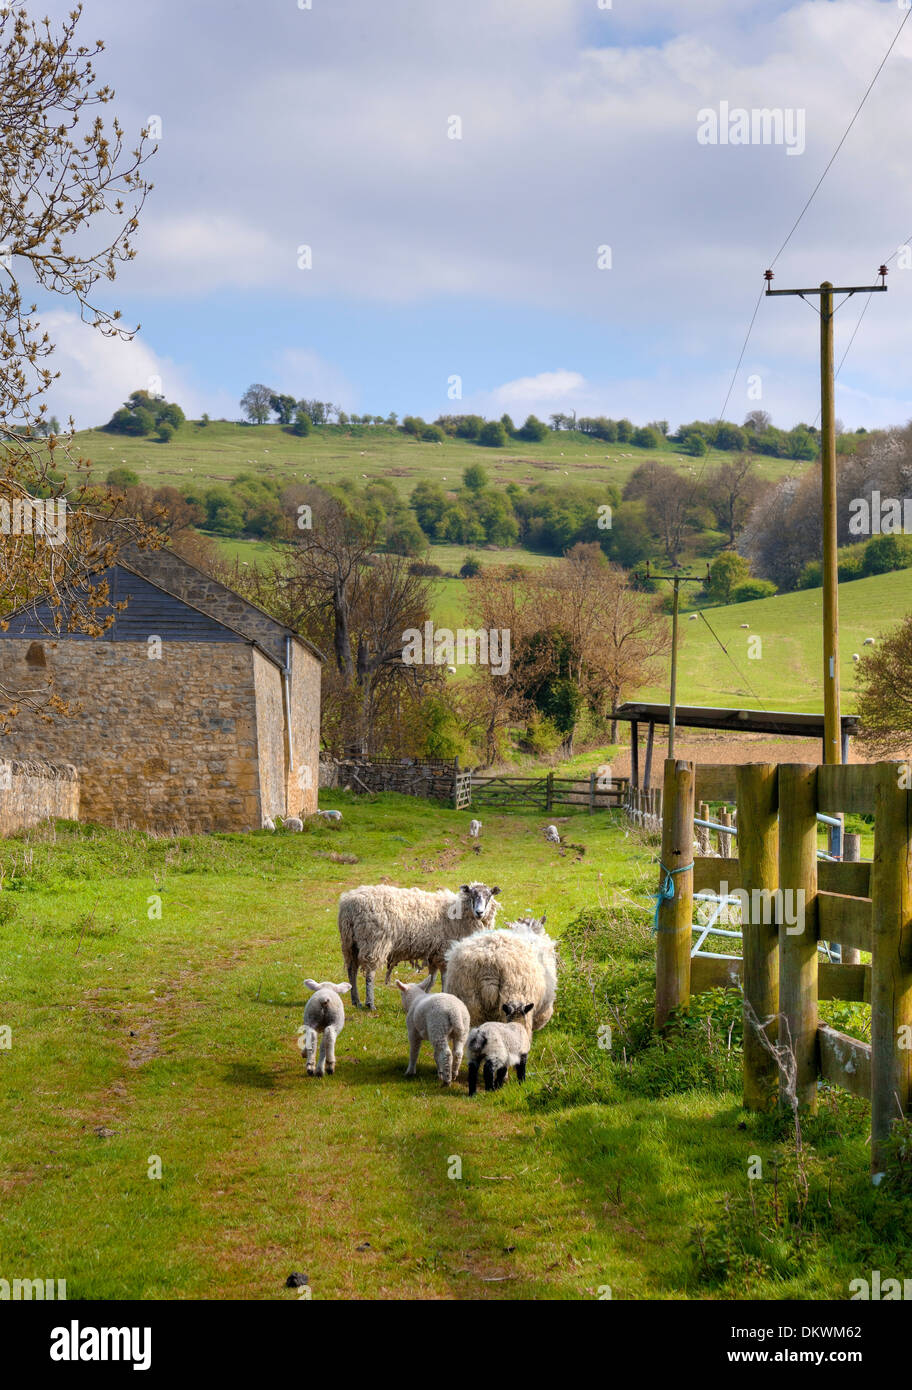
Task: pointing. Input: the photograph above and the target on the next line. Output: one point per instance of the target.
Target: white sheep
(381, 925)
(440, 1019)
(868, 642)
(324, 1017)
(292, 823)
(494, 967)
(475, 829)
(745, 624)
(268, 823)
(330, 815)
(500, 1046)
(855, 656)
(552, 835)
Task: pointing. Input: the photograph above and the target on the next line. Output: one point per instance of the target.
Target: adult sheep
(380, 926)
(491, 968)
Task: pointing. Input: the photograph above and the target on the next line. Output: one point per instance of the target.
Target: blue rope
(667, 890)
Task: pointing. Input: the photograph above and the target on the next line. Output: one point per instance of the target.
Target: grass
(136, 1038)
(218, 452)
(788, 672)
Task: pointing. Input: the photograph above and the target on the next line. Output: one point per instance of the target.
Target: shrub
(165, 432)
(471, 566)
(433, 434)
(302, 423)
(493, 435)
(122, 477)
(883, 554)
(751, 589)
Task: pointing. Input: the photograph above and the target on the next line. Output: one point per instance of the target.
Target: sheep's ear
(311, 984)
(400, 985)
(494, 892)
(506, 1009)
(342, 989)
(464, 888)
(426, 984)
(527, 1008)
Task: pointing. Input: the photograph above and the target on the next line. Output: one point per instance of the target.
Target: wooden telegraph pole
(831, 715)
(677, 580)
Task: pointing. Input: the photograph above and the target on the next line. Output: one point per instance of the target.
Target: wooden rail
(866, 908)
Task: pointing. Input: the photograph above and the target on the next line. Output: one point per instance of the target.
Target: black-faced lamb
(440, 1019)
(380, 926)
(324, 1019)
(492, 968)
(497, 1047)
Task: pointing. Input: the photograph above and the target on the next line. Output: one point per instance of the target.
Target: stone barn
(195, 711)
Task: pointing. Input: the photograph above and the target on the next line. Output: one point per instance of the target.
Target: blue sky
(477, 257)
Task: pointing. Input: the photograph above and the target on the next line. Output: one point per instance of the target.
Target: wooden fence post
(675, 915)
(891, 982)
(798, 939)
(758, 855)
(549, 791)
(591, 792)
(725, 841)
(702, 832)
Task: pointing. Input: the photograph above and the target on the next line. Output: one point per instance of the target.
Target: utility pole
(677, 580)
(832, 723)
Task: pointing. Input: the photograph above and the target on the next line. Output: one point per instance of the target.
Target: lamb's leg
(444, 1059)
(310, 1048)
(369, 989)
(414, 1049)
(457, 1057)
(329, 1049)
(473, 1078)
(501, 1078)
(321, 1063)
(353, 981)
(489, 1074)
(521, 1069)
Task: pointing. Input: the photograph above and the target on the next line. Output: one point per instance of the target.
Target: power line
(735, 664)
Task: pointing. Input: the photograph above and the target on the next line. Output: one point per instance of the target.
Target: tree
(284, 407)
(731, 490)
(64, 178)
(669, 499)
(726, 571)
(883, 554)
(507, 422)
(885, 692)
(302, 425)
(475, 478)
(534, 430)
(493, 435)
(758, 421)
(256, 403)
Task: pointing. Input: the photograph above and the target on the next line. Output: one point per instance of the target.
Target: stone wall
(270, 700)
(303, 780)
(168, 744)
(33, 790)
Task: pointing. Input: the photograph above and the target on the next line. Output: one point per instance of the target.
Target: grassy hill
(788, 673)
(216, 453)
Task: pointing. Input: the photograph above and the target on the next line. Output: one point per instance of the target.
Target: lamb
(491, 968)
(381, 925)
(268, 823)
(475, 829)
(868, 642)
(324, 1013)
(500, 1046)
(855, 656)
(330, 815)
(440, 1019)
(552, 835)
(290, 823)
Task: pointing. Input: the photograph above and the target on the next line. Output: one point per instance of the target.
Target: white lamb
(552, 835)
(381, 925)
(492, 968)
(268, 823)
(330, 815)
(500, 1046)
(290, 823)
(440, 1019)
(324, 1014)
(475, 829)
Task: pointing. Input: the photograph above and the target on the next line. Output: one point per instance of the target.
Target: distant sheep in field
(475, 829)
(380, 926)
(745, 624)
(499, 1046)
(293, 823)
(855, 656)
(324, 1018)
(330, 815)
(440, 1019)
(268, 823)
(868, 642)
(552, 835)
(492, 968)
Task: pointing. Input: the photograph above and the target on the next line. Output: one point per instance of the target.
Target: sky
(507, 204)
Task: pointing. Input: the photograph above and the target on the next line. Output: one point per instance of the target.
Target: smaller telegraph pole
(677, 579)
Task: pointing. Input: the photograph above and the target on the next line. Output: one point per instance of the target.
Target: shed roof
(753, 721)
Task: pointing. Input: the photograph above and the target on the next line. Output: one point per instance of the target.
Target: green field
(789, 672)
(167, 1044)
(220, 451)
